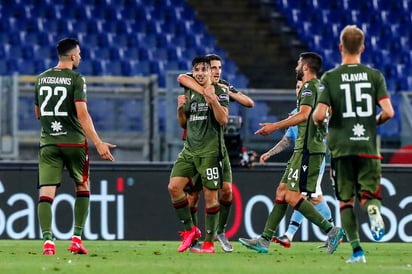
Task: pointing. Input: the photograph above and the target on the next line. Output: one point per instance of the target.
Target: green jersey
(310, 137)
(353, 91)
(56, 91)
(204, 134)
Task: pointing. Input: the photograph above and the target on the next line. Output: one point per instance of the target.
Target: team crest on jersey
(306, 92)
(193, 107)
(224, 97)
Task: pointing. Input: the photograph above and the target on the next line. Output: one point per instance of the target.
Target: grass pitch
(25, 256)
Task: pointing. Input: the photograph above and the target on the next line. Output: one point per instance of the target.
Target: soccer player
(315, 198)
(226, 197)
(204, 117)
(351, 93)
(60, 104)
(302, 171)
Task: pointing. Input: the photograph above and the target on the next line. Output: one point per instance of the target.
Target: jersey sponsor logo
(359, 132)
(306, 92)
(193, 107)
(57, 128)
(224, 97)
(197, 118)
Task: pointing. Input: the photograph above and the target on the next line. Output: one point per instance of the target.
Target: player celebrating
(226, 197)
(204, 117)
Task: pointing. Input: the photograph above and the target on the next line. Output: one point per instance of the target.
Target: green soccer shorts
(212, 172)
(302, 172)
(356, 176)
(53, 159)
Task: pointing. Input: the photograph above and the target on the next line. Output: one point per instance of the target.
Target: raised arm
(299, 117)
(242, 99)
(220, 112)
(189, 82)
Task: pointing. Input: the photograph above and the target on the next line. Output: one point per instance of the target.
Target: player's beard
(299, 75)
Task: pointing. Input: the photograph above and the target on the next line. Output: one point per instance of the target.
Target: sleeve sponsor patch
(224, 97)
(321, 87)
(306, 92)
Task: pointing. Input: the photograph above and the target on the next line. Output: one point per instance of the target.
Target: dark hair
(313, 60)
(213, 57)
(65, 45)
(200, 59)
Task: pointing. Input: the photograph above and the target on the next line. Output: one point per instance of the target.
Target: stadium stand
(122, 35)
(143, 37)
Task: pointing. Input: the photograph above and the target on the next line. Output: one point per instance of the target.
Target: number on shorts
(293, 174)
(212, 173)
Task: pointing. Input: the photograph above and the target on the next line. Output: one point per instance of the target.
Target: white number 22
(49, 92)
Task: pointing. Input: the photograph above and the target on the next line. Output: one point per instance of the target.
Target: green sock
(224, 212)
(311, 213)
(212, 219)
(193, 213)
(275, 217)
(351, 225)
(183, 213)
(81, 210)
(44, 214)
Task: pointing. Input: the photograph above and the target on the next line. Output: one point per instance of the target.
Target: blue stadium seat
(130, 115)
(102, 111)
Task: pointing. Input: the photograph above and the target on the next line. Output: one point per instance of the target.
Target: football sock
(324, 209)
(44, 213)
(212, 219)
(81, 210)
(223, 215)
(275, 217)
(294, 224)
(350, 224)
(193, 213)
(310, 212)
(181, 207)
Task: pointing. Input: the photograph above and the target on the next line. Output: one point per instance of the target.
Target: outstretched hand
(263, 158)
(104, 150)
(267, 128)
